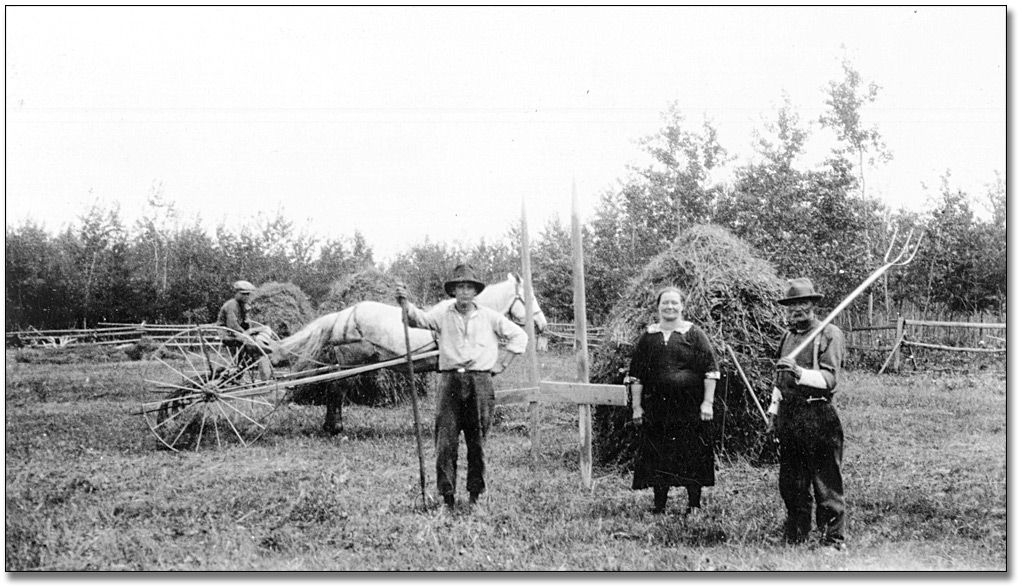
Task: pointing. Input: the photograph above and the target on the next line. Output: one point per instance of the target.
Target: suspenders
(816, 348)
(816, 361)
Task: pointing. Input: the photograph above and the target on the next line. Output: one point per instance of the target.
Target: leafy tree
(196, 273)
(35, 291)
(424, 268)
(89, 258)
(994, 278)
(654, 205)
(954, 270)
(552, 271)
(338, 258)
(802, 221)
(152, 240)
(845, 101)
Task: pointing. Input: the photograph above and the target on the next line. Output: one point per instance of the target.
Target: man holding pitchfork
(812, 440)
(470, 355)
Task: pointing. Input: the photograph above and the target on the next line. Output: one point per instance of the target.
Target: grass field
(87, 488)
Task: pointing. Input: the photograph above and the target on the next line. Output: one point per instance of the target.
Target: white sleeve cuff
(775, 401)
(713, 375)
(812, 378)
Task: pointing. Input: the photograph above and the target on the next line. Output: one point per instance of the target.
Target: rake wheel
(200, 393)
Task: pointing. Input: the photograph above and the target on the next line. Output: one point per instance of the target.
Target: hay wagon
(199, 392)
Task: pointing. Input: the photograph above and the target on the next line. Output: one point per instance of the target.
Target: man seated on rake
(246, 343)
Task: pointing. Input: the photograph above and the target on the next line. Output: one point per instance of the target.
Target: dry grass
(86, 489)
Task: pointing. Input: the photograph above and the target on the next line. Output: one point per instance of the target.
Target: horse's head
(516, 308)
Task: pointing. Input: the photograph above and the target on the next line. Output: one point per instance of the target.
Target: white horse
(371, 332)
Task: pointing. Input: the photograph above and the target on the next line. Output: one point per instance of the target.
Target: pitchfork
(904, 257)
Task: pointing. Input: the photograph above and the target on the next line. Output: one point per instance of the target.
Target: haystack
(730, 293)
(366, 285)
(284, 307)
(376, 388)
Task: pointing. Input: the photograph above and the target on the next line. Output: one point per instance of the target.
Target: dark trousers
(464, 404)
(812, 444)
(248, 355)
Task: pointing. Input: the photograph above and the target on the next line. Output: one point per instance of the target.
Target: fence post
(533, 367)
(898, 333)
(581, 341)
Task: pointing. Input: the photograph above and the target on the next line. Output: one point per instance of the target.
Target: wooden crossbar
(993, 325)
(951, 348)
(559, 392)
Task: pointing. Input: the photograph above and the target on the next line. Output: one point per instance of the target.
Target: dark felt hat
(463, 273)
(800, 290)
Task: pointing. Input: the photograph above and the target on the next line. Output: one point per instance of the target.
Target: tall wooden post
(530, 353)
(899, 333)
(585, 411)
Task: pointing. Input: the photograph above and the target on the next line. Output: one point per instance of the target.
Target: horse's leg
(334, 422)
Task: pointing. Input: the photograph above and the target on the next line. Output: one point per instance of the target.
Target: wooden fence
(946, 336)
(111, 333)
(564, 333)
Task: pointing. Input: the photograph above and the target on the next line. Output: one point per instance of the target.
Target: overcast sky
(408, 122)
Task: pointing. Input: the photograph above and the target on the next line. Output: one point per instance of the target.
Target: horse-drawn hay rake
(208, 395)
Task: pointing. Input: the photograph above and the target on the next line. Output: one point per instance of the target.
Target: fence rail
(106, 334)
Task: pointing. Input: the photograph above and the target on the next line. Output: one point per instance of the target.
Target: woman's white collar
(682, 327)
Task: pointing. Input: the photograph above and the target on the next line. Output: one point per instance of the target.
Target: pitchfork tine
(905, 248)
(894, 237)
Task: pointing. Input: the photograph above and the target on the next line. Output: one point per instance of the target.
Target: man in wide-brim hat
(807, 424)
(463, 274)
(470, 355)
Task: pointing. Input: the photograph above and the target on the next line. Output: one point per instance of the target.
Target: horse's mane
(305, 348)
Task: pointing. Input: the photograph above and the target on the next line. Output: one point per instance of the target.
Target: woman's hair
(664, 290)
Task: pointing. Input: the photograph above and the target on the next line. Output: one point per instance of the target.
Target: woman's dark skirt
(674, 454)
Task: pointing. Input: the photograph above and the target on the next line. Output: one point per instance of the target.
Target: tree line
(817, 220)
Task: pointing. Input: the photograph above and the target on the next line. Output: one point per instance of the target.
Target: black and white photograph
(497, 290)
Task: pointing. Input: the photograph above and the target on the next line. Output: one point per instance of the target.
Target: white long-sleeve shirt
(469, 341)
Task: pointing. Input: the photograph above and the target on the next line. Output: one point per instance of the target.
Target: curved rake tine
(202, 426)
(183, 428)
(254, 401)
(202, 345)
(204, 359)
(243, 414)
(159, 386)
(183, 376)
(231, 424)
(174, 417)
(156, 404)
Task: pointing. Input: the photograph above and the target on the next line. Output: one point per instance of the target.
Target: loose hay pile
(284, 307)
(366, 285)
(730, 293)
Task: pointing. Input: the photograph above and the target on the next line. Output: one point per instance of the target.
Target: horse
(370, 332)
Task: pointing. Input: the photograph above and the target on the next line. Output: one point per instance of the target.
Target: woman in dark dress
(677, 373)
